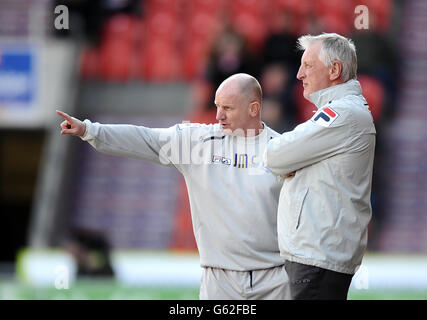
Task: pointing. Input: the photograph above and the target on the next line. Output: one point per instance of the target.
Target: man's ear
(335, 71)
(254, 108)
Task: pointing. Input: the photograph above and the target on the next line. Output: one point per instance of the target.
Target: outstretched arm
(155, 145)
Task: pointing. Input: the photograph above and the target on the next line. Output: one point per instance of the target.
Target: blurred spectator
(377, 58)
(230, 55)
(277, 91)
(312, 25)
(272, 113)
(280, 44)
(91, 251)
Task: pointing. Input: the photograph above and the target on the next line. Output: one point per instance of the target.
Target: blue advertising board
(17, 76)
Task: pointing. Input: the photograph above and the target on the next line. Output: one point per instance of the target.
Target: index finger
(64, 115)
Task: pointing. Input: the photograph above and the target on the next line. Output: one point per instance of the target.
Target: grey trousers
(263, 284)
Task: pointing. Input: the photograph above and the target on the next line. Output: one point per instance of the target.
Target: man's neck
(254, 131)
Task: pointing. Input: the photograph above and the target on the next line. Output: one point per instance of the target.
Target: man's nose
(220, 115)
(300, 74)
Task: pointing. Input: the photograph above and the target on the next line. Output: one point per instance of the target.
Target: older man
(324, 209)
(233, 197)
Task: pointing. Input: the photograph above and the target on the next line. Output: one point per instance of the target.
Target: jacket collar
(321, 97)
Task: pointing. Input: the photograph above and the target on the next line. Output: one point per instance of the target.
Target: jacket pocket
(297, 204)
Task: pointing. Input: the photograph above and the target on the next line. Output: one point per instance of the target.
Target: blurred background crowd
(158, 62)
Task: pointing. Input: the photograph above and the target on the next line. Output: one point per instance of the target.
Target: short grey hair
(334, 48)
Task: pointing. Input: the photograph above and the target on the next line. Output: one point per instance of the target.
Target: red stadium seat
(115, 60)
(251, 6)
(300, 7)
(120, 26)
(344, 9)
(159, 61)
(336, 23)
(162, 25)
(203, 26)
(89, 63)
(120, 35)
(252, 28)
(194, 59)
(155, 6)
(212, 7)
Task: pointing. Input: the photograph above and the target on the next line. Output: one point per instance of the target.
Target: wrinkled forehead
(312, 52)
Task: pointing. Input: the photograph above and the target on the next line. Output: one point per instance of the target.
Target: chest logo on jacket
(222, 160)
(325, 117)
(241, 160)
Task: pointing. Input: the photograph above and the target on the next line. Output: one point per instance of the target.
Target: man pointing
(233, 197)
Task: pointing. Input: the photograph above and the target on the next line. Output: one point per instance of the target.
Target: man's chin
(226, 130)
(230, 132)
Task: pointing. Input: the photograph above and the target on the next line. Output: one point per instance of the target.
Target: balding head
(244, 85)
(238, 100)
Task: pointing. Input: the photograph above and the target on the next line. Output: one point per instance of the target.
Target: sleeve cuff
(86, 135)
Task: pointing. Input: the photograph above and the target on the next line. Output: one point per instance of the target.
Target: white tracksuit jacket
(233, 197)
(325, 209)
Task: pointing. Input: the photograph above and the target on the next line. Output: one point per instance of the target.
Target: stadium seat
(252, 28)
(343, 9)
(162, 25)
(89, 63)
(115, 60)
(340, 24)
(207, 6)
(155, 6)
(119, 26)
(299, 7)
(194, 59)
(203, 26)
(254, 7)
(120, 35)
(159, 61)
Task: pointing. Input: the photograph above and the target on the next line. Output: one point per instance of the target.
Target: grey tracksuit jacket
(233, 197)
(324, 210)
